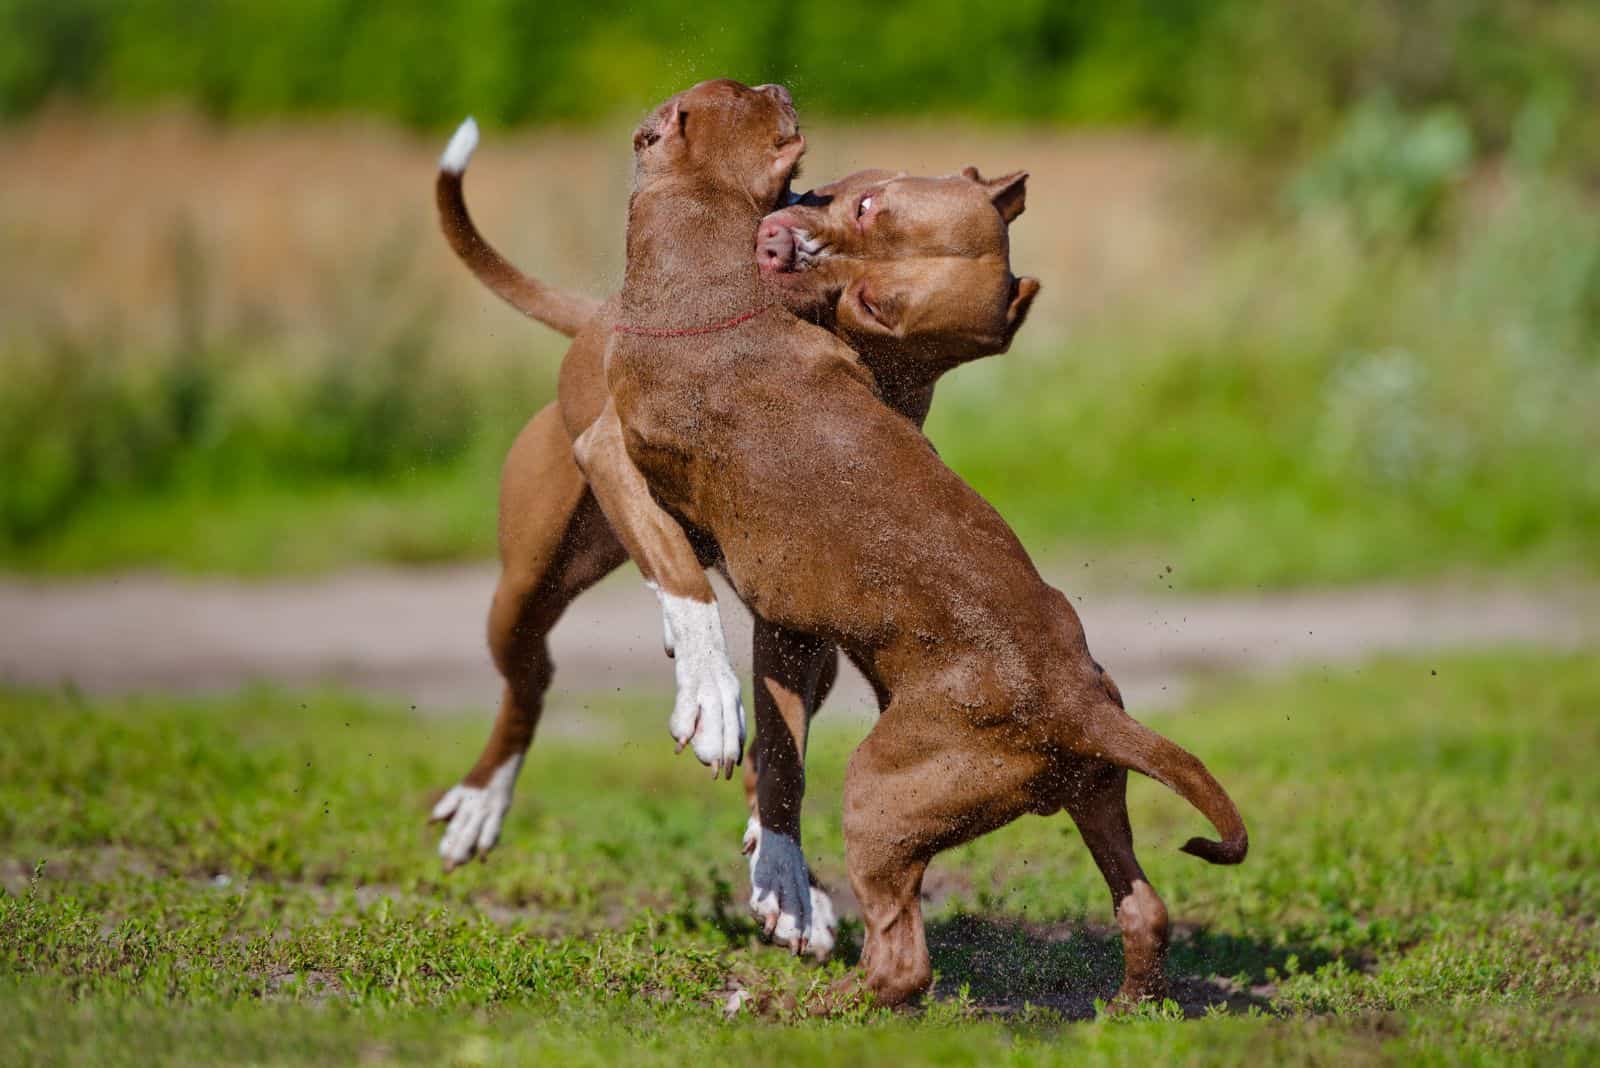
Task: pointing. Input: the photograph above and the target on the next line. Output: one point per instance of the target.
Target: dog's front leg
(792, 671)
(707, 715)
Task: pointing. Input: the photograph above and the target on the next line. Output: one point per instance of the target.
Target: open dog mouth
(783, 246)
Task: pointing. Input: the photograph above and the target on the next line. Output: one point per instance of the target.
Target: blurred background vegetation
(1264, 72)
(1322, 279)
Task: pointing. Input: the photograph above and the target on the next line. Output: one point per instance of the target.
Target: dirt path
(418, 635)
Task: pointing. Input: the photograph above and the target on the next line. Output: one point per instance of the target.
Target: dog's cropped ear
(787, 157)
(1008, 193)
(1023, 290)
(669, 122)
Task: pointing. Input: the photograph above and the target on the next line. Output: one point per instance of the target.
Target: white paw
(792, 911)
(708, 714)
(475, 814)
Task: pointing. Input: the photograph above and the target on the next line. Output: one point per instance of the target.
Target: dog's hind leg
(920, 783)
(1099, 807)
(793, 672)
(554, 544)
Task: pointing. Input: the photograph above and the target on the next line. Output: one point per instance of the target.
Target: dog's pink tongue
(775, 247)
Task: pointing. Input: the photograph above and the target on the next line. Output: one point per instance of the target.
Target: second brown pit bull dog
(767, 437)
(895, 292)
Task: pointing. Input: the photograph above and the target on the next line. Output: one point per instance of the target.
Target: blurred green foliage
(1275, 74)
(1383, 381)
(93, 424)
(80, 426)
(1395, 372)
(1390, 172)
(1375, 379)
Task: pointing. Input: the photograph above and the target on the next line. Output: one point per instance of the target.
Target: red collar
(689, 331)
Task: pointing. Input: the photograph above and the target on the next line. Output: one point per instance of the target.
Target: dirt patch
(419, 635)
(1006, 965)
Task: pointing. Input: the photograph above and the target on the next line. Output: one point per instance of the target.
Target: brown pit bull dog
(769, 438)
(896, 292)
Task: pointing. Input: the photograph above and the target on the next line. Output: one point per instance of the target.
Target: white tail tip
(459, 151)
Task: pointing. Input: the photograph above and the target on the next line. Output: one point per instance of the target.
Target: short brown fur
(555, 542)
(835, 518)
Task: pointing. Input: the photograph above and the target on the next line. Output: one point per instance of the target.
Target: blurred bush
(1390, 174)
(1392, 369)
(88, 419)
(1277, 75)
(1398, 375)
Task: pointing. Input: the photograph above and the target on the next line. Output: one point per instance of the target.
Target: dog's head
(728, 135)
(902, 266)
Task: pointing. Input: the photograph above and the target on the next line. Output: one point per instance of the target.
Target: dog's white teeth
(806, 246)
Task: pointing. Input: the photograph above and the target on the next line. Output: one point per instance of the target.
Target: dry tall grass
(290, 232)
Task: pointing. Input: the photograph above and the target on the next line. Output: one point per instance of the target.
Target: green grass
(250, 879)
(418, 517)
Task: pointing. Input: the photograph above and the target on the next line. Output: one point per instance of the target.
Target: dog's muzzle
(782, 247)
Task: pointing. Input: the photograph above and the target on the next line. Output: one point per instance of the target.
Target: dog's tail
(558, 309)
(1124, 741)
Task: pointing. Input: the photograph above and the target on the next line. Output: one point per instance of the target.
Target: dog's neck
(691, 256)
